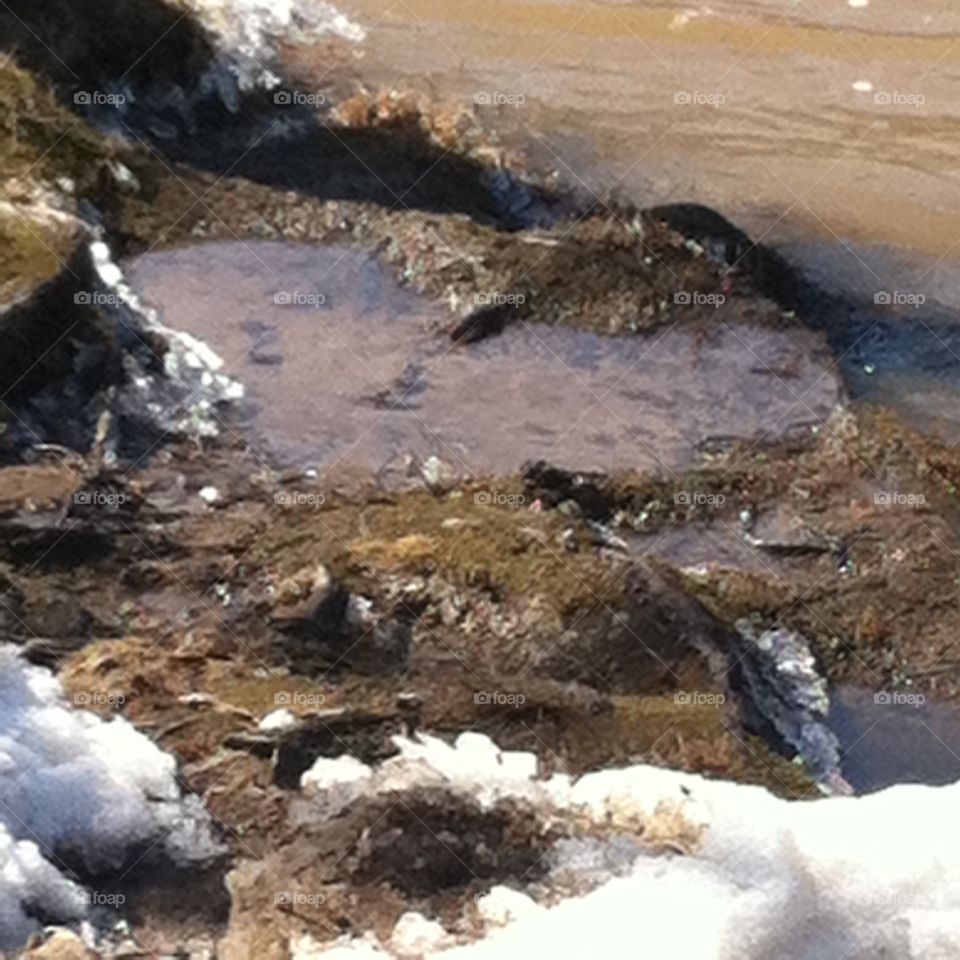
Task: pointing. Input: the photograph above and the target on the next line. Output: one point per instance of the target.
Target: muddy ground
(568, 615)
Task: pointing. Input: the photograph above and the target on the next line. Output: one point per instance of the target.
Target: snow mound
(252, 26)
(72, 785)
(249, 33)
(473, 767)
(767, 879)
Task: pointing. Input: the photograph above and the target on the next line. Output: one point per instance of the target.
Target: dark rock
(331, 629)
(321, 615)
(433, 843)
(331, 733)
(11, 607)
(727, 243)
(657, 637)
(555, 486)
(485, 322)
(786, 695)
(59, 352)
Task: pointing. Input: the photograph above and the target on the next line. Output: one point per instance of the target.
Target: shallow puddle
(826, 129)
(346, 371)
(890, 738)
(909, 365)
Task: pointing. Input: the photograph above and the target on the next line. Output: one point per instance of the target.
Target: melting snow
(73, 783)
(854, 877)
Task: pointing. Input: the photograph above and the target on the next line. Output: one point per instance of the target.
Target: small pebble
(863, 86)
(210, 494)
(282, 719)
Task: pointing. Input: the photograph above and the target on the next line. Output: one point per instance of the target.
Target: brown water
(353, 377)
(781, 134)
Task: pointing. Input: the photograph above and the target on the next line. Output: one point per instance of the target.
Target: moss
(508, 551)
(39, 139)
(700, 738)
(31, 254)
(40, 143)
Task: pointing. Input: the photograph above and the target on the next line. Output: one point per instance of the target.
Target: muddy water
(895, 742)
(345, 371)
(829, 129)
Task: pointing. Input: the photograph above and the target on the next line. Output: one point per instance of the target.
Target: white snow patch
(281, 719)
(853, 877)
(414, 935)
(473, 766)
(253, 26)
(187, 360)
(209, 495)
(326, 774)
(73, 783)
(346, 948)
(502, 905)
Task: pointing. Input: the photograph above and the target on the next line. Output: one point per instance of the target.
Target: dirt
(569, 607)
(181, 610)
